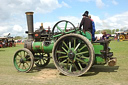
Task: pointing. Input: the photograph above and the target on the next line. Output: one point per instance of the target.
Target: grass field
(98, 75)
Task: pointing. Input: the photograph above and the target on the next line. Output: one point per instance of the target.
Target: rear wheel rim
(72, 57)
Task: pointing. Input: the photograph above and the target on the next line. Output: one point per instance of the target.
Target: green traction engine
(72, 50)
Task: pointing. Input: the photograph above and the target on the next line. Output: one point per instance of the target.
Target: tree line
(109, 31)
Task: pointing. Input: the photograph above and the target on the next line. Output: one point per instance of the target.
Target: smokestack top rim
(29, 13)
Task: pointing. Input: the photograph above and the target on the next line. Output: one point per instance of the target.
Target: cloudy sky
(107, 14)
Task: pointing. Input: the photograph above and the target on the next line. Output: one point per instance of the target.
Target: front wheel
(73, 54)
(23, 60)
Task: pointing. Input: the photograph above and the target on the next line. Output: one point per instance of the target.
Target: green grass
(98, 75)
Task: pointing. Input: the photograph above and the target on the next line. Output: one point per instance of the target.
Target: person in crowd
(105, 35)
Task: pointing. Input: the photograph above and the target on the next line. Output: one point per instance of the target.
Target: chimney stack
(29, 16)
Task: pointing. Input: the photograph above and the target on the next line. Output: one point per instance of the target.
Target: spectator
(105, 35)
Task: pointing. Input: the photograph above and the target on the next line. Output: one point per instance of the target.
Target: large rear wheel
(73, 54)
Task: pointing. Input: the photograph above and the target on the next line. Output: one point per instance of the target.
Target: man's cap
(85, 13)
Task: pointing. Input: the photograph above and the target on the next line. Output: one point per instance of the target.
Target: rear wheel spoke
(75, 66)
(70, 70)
(77, 47)
(80, 66)
(70, 44)
(63, 57)
(81, 61)
(82, 47)
(60, 52)
(65, 44)
(80, 53)
(64, 49)
(63, 61)
(74, 43)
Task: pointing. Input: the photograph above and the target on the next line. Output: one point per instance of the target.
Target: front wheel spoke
(82, 53)
(19, 55)
(19, 65)
(77, 47)
(17, 59)
(24, 54)
(60, 52)
(27, 63)
(27, 57)
(24, 66)
(18, 62)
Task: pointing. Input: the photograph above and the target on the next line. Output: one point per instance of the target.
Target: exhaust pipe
(29, 16)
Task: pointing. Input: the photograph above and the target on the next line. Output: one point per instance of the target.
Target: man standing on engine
(93, 29)
(86, 23)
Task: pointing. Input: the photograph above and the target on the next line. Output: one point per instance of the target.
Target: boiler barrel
(39, 47)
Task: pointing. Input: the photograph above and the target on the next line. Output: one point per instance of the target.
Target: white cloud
(17, 28)
(65, 4)
(115, 22)
(118, 21)
(48, 5)
(74, 20)
(114, 2)
(85, 0)
(12, 12)
(3, 29)
(99, 3)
